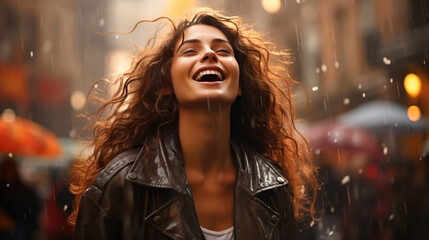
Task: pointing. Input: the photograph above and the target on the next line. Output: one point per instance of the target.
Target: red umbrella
(333, 136)
(26, 138)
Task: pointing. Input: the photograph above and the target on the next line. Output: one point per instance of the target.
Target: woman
(199, 142)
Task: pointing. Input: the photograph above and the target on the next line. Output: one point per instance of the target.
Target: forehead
(202, 32)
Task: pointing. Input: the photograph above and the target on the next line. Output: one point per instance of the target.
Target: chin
(208, 101)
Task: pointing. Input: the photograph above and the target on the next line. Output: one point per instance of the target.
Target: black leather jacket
(148, 197)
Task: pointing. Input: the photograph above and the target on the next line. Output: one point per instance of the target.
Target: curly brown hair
(261, 118)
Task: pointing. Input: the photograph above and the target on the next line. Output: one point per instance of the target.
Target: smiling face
(204, 68)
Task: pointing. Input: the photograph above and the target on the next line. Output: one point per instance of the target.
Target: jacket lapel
(255, 176)
(164, 168)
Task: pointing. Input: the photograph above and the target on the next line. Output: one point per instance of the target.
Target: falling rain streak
(405, 208)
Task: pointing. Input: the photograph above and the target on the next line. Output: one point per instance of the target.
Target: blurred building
(48, 51)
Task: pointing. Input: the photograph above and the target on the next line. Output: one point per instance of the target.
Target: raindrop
(360, 86)
(332, 209)
(330, 233)
(337, 64)
(317, 70)
(315, 88)
(363, 95)
(385, 150)
(387, 61)
(72, 133)
(311, 223)
(346, 101)
(252, 123)
(302, 191)
(324, 68)
(424, 61)
(385, 87)
(345, 180)
(360, 171)
(117, 36)
(298, 1)
(317, 152)
(7, 184)
(391, 217)
(101, 22)
(10, 155)
(396, 124)
(65, 207)
(31, 54)
(391, 80)
(335, 140)
(96, 86)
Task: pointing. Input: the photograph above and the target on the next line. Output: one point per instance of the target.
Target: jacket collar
(164, 167)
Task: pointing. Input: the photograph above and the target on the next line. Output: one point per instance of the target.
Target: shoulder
(257, 161)
(116, 170)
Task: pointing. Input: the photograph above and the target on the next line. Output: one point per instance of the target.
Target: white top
(226, 234)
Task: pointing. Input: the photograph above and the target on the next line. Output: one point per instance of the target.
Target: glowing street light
(412, 84)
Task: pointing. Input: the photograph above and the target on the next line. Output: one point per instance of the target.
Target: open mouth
(209, 76)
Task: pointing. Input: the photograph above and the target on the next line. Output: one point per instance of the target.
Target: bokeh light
(414, 113)
(271, 6)
(77, 100)
(8, 115)
(412, 84)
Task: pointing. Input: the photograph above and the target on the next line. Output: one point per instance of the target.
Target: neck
(205, 139)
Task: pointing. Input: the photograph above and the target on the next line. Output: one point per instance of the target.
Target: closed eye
(225, 50)
(189, 50)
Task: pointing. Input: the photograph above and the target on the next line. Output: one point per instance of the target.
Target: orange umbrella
(26, 138)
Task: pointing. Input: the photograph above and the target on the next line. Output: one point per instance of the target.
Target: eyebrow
(198, 41)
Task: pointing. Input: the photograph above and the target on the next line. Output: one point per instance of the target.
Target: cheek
(234, 69)
(179, 70)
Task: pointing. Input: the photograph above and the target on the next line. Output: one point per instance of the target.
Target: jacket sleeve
(102, 207)
(93, 222)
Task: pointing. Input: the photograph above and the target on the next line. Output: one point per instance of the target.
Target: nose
(209, 55)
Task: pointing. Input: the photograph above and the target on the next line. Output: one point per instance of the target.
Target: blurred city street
(362, 64)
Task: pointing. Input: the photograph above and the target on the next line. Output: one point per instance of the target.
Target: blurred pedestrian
(19, 204)
(58, 207)
(200, 142)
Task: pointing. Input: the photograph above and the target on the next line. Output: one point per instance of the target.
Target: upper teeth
(208, 72)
